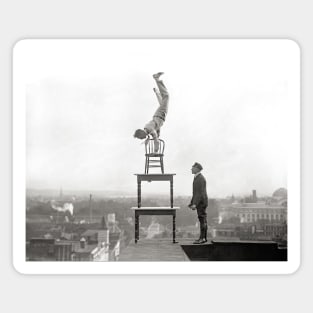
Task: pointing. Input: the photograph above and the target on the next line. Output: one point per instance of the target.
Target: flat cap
(198, 165)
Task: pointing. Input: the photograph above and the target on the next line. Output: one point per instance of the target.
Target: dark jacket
(199, 194)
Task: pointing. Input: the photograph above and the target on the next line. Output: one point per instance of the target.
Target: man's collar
(197, 174)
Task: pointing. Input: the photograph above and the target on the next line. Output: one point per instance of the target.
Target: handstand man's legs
(158, 95)
(162, 94)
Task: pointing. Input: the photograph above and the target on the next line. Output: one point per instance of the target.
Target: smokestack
(254, 198)
(90, 209)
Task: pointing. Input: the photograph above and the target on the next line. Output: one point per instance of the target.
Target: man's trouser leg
(203, 223)
(202, 230)
(159, 97)
(163, 92)
(163, 99)
(205, 228)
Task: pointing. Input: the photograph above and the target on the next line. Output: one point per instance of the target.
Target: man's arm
(156, 140)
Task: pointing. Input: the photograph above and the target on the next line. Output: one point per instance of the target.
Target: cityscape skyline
(104, 230)
(102, 193)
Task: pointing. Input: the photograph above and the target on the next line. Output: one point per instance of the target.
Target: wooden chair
(154, 159)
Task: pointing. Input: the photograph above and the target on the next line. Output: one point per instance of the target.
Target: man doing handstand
(153, 127)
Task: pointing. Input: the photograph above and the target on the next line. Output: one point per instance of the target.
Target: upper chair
(154, 159)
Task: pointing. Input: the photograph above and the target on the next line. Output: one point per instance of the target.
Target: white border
(19, 157)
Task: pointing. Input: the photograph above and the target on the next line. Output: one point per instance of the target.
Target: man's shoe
(201, 241)
(157, 75)
(196, 242)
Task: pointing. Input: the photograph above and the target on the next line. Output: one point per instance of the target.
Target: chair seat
(154, 154)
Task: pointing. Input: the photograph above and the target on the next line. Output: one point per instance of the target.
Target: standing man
(199, 201)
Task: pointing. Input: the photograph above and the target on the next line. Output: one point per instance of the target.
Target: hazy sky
(228, 110)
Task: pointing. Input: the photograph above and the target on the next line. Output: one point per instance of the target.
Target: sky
(229, 110)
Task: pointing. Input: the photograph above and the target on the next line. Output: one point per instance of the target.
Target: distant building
(250, 231)
(93, 246)
(224, 231)
(113, 228)
(280, 196)
(276, 230)
(69, 236)
(253, 212)
(99, 244)
(280, 193)
(111, 218)
(154, 229)
(254, 220)
(189, 231)
(273, 210)
(64, 250)
(40, 249)
(114, 248)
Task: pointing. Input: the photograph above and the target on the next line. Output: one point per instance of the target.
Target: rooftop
(153, 250)
(164, 250)
(91, 232)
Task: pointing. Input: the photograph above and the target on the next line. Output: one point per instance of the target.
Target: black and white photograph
(156, 155)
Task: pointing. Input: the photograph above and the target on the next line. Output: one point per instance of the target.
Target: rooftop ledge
(163, 250)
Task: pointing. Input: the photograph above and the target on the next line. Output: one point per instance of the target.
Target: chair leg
(162, 165)
(146, 163)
